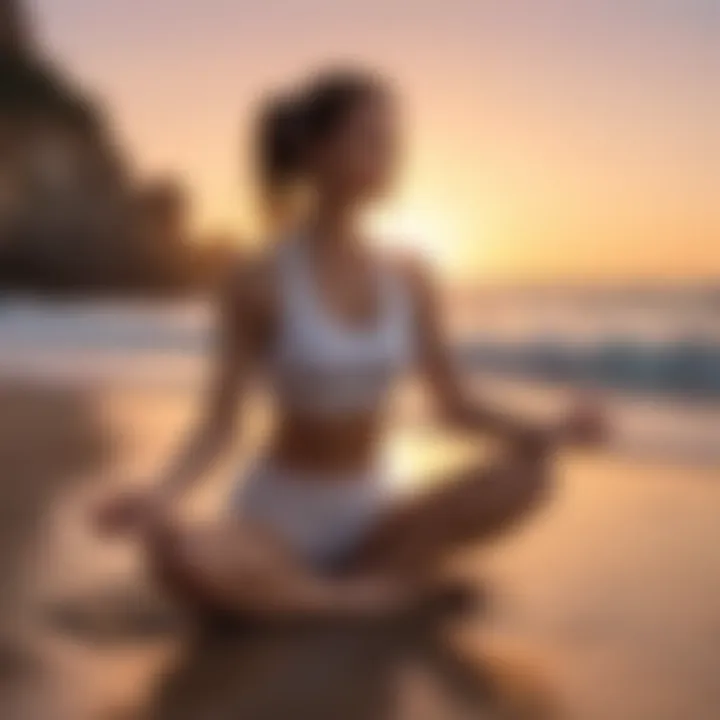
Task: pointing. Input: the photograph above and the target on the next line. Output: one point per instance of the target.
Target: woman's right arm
(233, 360)
(237, 339)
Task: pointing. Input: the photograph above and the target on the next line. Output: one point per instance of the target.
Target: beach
(604, 607)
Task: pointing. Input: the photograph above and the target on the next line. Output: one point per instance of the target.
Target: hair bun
(291, 125)
(280, 139)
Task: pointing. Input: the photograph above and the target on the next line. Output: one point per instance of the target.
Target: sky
(573, 139)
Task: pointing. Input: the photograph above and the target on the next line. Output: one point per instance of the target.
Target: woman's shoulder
(411, 267)
(250, 281)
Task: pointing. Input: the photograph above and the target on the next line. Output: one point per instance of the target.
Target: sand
(605, 607)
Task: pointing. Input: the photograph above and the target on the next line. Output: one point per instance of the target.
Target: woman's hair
(291, 126)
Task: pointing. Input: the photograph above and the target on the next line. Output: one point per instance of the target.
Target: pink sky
(549, 137)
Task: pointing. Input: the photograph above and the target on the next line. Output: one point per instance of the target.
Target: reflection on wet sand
(410, 668)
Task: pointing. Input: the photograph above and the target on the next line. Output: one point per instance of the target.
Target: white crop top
(320, 365)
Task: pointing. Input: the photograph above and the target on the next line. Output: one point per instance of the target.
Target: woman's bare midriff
(335, 447)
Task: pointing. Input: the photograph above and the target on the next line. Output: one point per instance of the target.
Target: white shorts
(324, 520)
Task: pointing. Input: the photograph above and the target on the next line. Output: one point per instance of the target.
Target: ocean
(658, 370)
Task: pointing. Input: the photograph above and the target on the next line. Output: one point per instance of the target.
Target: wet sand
(604, 607)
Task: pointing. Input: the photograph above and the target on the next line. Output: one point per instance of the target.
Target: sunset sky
(550, 138)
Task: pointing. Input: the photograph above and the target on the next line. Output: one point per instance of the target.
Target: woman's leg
(232, 568)
(476, 505)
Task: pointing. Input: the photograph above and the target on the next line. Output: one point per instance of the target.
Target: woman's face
(358, 162)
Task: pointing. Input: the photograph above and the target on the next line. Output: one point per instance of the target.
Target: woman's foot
(455, 597)
(393, 600)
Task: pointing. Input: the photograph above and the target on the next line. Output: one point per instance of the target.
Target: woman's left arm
(454, 401)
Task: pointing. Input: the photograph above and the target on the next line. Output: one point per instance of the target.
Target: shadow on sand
(369, 672)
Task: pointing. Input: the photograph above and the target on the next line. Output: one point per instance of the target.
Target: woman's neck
(333, 227)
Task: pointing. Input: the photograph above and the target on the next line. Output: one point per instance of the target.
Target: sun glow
(423, 230)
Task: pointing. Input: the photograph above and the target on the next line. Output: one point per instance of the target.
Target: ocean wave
(686, 367)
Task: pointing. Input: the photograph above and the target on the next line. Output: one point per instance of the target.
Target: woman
(330, 324)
